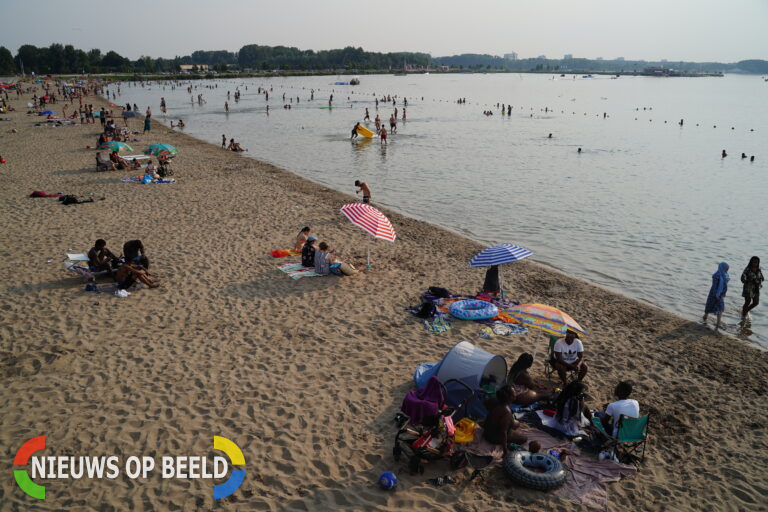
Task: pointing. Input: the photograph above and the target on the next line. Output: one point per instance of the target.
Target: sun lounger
(77, 264)
(130, 158)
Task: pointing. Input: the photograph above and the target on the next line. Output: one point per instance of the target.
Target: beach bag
(440, 293)
(426, 310)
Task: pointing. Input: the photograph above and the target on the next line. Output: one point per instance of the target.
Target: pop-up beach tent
(470, 364)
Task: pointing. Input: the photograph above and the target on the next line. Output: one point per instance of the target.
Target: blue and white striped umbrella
(498, 254)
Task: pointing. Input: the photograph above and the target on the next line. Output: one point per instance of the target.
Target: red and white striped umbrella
(370, 219)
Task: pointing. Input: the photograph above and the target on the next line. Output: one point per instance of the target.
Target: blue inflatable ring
(473, 309)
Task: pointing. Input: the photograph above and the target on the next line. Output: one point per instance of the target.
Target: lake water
(647, 209)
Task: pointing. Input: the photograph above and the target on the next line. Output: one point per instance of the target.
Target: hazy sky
(693, 30)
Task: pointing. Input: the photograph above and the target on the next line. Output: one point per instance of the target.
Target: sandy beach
(307, 375)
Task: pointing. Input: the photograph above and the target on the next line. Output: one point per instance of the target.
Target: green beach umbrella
(161, 150)
(120, 147)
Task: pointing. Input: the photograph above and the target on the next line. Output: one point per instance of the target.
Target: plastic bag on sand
(121, 293)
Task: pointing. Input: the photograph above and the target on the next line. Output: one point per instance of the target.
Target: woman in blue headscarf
(716, 298)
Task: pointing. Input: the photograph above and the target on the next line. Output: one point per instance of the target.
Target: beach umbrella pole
(368, 251)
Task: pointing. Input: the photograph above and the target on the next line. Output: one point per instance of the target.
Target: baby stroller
(426, 425)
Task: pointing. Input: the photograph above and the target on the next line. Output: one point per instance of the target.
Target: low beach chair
(77, 264)
(631, 436)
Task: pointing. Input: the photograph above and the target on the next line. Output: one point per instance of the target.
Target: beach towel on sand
(297, 271)
(282, 253)
(587, 479)
(137, 179)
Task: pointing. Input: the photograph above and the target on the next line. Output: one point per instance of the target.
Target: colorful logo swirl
(238, 475)
(21, 475)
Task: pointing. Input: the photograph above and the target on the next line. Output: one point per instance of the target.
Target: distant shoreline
(137, 77)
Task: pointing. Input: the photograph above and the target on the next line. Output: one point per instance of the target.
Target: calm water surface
(647, 209)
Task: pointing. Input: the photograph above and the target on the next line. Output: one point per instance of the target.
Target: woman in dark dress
(752, 277)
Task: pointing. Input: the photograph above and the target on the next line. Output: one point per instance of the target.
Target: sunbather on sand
(521, 382)
(100, 258)
(301, 239)
(572, 413)
(308, 252)
(327, 262)
(500, 425)
(133, 251)
(624, 406)
(569, 356)
(129, 273)
(103, 163)
(151, 170)
(122, 163)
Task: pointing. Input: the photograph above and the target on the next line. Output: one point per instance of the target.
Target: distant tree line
(66, 59)
(254, 56)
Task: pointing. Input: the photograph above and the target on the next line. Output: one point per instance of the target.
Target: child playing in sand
(301, 239)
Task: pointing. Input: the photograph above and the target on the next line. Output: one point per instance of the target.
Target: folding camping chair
(549, 368)
(632, 434)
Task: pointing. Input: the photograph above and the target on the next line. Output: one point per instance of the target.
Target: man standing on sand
(569, 356)
(363, 187)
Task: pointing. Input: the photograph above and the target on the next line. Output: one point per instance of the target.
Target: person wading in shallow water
(716, 298)
(752, 277)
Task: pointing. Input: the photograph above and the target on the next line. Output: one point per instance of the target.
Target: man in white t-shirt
(569, 356)
(623, 406)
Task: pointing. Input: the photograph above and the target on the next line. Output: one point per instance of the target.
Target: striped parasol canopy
(499, 254)
(547, 318)
(370, 219)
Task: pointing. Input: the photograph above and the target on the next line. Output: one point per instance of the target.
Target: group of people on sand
(751, 279)
(133, 266)
(571, 412)
(572, 415)
(115, 162)
(321, 256)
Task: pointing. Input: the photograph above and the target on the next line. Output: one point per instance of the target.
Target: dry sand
(305, 376)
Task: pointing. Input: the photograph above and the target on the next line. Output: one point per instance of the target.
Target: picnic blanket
(587, 478)
(296, 271)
